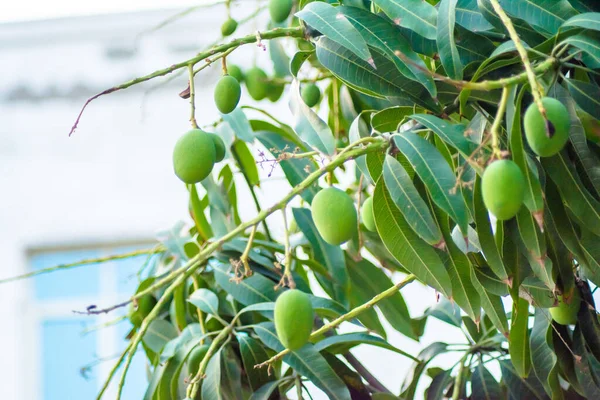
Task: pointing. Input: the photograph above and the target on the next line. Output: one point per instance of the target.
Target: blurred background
(110, 188)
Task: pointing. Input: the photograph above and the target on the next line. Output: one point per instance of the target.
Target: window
(74, 353)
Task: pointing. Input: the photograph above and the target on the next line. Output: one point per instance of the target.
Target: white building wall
(111, 181)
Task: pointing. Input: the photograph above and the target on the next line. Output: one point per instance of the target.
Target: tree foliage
(418, 99)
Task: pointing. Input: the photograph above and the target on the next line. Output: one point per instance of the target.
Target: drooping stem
(245, 255)
(531, 75)
(495, 130)
(192, 97)
(349, 316)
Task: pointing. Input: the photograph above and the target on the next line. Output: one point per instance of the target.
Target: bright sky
(44, 9)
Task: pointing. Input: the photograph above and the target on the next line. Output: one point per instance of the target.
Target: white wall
(112, 180)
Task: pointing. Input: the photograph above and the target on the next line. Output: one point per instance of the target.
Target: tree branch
(271, 34)
(181, 274)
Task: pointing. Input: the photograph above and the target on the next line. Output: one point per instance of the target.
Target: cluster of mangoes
(503, 183)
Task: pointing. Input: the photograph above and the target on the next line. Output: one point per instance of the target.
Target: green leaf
(265, 391)
(298, 60)
(206, 301)
(446, 311)
(563, 348)
(307, 124)
(469, 17)
(492, 305)
(589, 42)
(331, 22)
(409, 386)
(338, 344)
(382, 35)
(436, 174)
(572, 191)
(326, 254)
(246, 162)
(369, 281)
(385, 81)
(525, 31)
(543, 359)
(412, 252)
(197, 206)
(588, 321)
(588, 20)
(406, 197)
(253, 354)
(445, 39)
(585, 5)
(536, 292)
(255, 289)
(585, 375)
(520, 388)
(295, 170)
(389, 119)
(231, 374)
(358, 130)
(518, 344)
(590, 160)
(452, 134)
(459, 270)
(485, 234)
(239, 124)
(159, 333)
(534, 200)
(535, 245)
(439, 386)
(416, 15)
(375, 164)
(211, 385)
(280, 59)
(586, 95)
(546, 14)
(307, 362)
(483, 385)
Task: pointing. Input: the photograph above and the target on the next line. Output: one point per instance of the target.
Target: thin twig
(270, 34)
(81, 263)
(192, 96)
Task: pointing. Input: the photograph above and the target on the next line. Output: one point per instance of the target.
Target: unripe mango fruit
(547, 139)
(566, 314)
(229, 27)
(280, 9)
(274, 91)
(227, 94)
(334, 215)
(503, 189)
(194, 156)
(256, 83)
(311, 94)
(366, 213)
(236, 72)
(195, 358)
(219, 147)
(293, 318)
